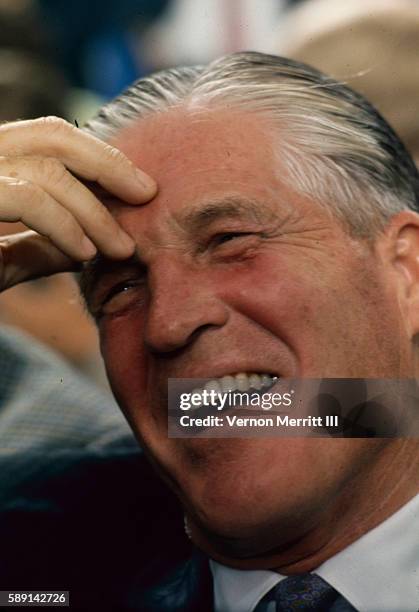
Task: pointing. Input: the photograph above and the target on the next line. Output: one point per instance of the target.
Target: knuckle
(53, 124)
(52, 169)
(27, 191)
(30, 194)
(114, 156)
(11, 125)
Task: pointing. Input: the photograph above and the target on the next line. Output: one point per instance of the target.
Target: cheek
(281, 300)
(122, 348)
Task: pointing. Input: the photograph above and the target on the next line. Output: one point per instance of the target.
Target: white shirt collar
(377, 573)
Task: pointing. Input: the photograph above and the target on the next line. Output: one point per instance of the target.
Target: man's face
(240, 274)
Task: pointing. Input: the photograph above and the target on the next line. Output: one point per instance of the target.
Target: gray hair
(336, 147)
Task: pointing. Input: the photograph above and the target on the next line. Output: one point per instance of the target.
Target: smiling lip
(243, 380)
(213, 373)
(188, 380)
(200, 389)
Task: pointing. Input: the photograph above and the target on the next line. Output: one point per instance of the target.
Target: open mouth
(205, 396)
(242, 382)
(195, 405)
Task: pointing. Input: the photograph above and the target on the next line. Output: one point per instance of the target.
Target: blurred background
(67, 58)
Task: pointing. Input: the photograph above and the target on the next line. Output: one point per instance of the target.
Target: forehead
(193, 152)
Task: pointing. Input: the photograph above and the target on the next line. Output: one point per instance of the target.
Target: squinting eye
(119, 288)
(228, 236)
(121, 296)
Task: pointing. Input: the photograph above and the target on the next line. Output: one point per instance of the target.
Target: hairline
(337, 148)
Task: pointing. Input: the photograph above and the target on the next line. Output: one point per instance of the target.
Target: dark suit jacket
(101, 525)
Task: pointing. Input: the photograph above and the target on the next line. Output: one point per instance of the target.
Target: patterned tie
(305, 592)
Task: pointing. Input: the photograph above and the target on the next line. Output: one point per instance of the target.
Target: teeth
(240, 382)
(267, 380)
(213, 385)
(228, 384)
(255, 381)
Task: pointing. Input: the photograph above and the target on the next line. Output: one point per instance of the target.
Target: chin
(236, 502)
(246, 529)
(249, 499)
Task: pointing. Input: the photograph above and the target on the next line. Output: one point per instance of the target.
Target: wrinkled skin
(278, 286)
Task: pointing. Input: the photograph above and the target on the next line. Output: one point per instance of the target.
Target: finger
(82, 153)
(24, 201)
(95, 220)
(29, 255)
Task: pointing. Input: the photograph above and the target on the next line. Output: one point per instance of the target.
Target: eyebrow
(195, 220)
(233, 207)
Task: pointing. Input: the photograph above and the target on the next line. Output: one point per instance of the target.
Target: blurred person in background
(190, 32)
(98, 43)
(372, 45)
(47, 410)
(31, 85)
(22, 28)
(63, 59)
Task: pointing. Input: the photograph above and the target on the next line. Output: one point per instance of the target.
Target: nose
(183, 304)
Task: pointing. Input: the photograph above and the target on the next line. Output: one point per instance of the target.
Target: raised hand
(44, 167)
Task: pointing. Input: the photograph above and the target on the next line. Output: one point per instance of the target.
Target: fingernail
(146, 181)
(89, 248)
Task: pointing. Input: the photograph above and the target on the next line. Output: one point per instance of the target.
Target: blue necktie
(305, 592)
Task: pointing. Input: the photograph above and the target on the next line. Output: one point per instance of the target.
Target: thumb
(29, 255)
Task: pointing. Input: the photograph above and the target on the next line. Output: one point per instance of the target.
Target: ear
(398, 248)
